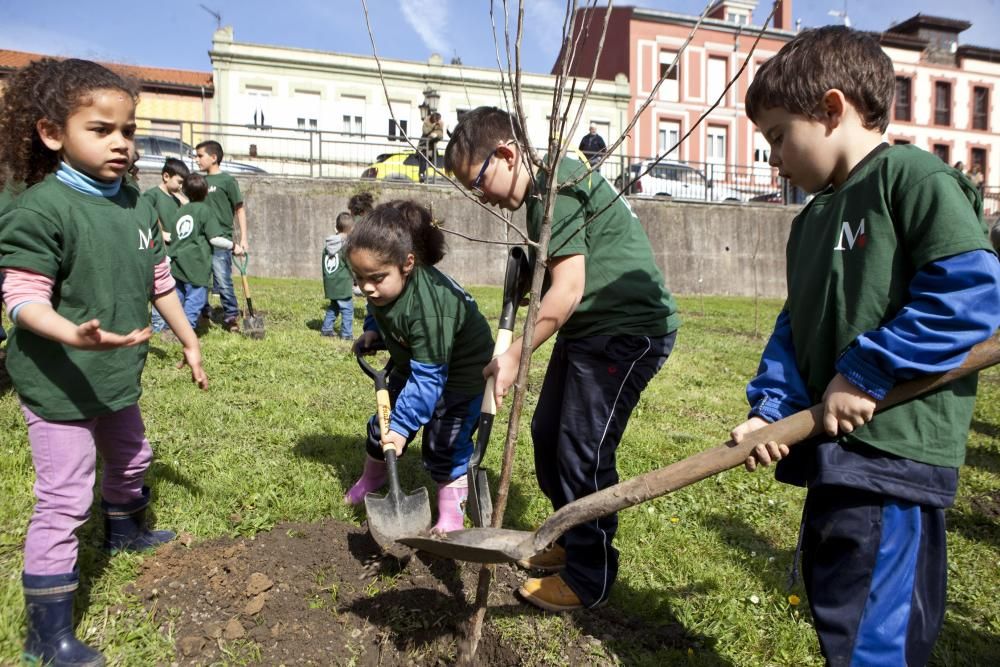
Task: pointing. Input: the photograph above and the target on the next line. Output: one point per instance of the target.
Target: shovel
(253, 324)
(501, 545)
(397, 514)
(480, 505)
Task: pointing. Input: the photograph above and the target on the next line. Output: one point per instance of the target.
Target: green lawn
(278, 437)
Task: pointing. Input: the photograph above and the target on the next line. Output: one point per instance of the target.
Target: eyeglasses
(477, 184)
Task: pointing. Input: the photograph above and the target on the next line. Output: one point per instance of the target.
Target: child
(80, 340)
(890, 277)
(338, 282)
(163, 198)
(360, 205)
(439, 341)
(197, 233)
(616, 324)
(226, 200)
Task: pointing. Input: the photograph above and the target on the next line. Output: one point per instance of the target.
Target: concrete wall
(721, 249)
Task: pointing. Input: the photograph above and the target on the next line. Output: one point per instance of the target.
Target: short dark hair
(361, 203)
(195, 187)
(816, 61)
(213, 148)
(174, 167)
(478, 133)
(344, 222)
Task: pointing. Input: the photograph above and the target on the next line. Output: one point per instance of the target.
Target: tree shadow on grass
(962, 644)
(984, 458)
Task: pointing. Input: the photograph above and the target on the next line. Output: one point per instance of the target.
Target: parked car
(677, 180)
(401, 166)
(153, 150)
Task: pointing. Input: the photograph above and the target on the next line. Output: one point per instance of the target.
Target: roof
(149, 77)
(918, 21)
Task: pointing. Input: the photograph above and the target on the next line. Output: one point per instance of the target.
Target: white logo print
(145, 239)
(852, 237)
(211, 188)
(185, 226)
(332, 263)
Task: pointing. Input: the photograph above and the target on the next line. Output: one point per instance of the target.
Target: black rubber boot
(48, 601)
(125, 526)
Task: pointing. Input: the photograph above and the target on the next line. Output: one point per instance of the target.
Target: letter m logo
(852, 237)
(145, 239)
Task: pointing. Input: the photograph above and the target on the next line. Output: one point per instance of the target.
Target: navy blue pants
(447, 442)
(875, 570)
(590, 389)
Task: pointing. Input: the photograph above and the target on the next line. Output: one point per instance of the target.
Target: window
(715, 80)
(258, 101)
(352, 124)
(977, 158)
(900, 142)
(310, 123)
(670, 88)
(942, 103)
(669, 134)
(980, 108)
(943, 151)
(394, 128)
(901, 108)
(715, 140)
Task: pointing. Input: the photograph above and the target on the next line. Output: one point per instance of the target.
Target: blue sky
(178, 33)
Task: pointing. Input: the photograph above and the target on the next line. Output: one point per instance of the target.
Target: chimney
(783, 16)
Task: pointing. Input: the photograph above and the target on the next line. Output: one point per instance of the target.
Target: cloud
(429, 20)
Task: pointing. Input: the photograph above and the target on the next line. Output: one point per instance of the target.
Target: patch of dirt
(322, 594)
(988, 505)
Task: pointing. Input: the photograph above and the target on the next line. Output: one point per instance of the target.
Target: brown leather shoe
(550, 593)
(232, 326)
(552, 559)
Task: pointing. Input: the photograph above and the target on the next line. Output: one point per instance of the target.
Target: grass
(278, 437)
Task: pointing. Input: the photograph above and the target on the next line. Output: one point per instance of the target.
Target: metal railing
(314, 153)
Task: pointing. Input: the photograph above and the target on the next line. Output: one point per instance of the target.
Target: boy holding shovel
(616, 325)
(890, 277)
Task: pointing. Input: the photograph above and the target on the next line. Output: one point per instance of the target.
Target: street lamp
(430, 103)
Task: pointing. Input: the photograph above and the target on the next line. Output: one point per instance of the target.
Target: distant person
(226, 200)
(165, 201)
(431, 132)
(977, 178)
(592, 145)
(338, 282)
(890, 278)
(81, 257)
(960, 166)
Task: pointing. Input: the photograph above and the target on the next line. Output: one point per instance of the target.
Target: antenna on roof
(842, 14)
(216, 14)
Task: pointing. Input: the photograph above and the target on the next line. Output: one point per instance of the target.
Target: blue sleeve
(954, 304)
(415, 403)
(370, 323)
(778, 390)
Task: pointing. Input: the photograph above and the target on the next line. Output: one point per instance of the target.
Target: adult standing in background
(431, 132)
(592, 145)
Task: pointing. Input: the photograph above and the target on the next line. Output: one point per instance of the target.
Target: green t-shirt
(223, 197)
(190, 251)
(852, 253)
(166, 206)
(101, 253)
(338, 282)
(624, 291)
(435, 321)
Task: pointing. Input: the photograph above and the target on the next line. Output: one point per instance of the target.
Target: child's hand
(763, 454)
(845, 407)
(238, 250)
(397, 440)
(365, 343)
(192, 358)
(503, 368)
(166, 237)
(90, 336)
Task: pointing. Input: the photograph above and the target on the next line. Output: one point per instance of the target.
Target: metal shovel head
(480, 504)
(253, 327)
(391, 517)
(477, 545)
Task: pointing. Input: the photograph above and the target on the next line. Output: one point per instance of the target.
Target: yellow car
(402, 166)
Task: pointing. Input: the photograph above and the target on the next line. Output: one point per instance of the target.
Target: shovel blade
(253, 327)
(476, 545)
(480, 504)
(391, 517)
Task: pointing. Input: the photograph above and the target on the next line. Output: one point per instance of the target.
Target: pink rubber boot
(451, 505)
(372, 479)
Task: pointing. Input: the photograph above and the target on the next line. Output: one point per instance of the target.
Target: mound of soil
(321, 593)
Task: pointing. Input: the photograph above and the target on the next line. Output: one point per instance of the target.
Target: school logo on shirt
(145, 239)
(211, 189)
(331, 264)
(400, 339)
(851, 236)
(185, 225)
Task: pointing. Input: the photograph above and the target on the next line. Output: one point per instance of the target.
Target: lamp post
(430, 103)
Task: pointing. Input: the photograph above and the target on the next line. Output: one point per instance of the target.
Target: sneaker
(552, 559)
(550, 593)
(232, 326)
(327, 334)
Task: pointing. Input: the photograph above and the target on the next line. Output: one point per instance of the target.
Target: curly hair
(361, 204)
(396, 229)
(51, 89)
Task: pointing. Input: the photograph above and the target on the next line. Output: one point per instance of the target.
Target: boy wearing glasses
(616, 325)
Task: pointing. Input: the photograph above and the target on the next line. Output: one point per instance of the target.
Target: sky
(178, 33)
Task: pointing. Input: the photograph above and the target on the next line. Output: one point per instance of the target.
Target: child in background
(439, 342)
(226, 200)
(80, 341)
(338, 282)
(163, 198)
(890, 277)
(616, 325)
(197, 232)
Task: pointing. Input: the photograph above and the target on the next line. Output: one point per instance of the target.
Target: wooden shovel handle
(790, 431)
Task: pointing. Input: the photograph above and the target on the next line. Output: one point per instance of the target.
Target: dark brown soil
(988, 505)
(321, 594)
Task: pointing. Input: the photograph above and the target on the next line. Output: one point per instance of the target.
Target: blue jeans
(193, 298)
(345, 307)
(222, 282)
(158, 323)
